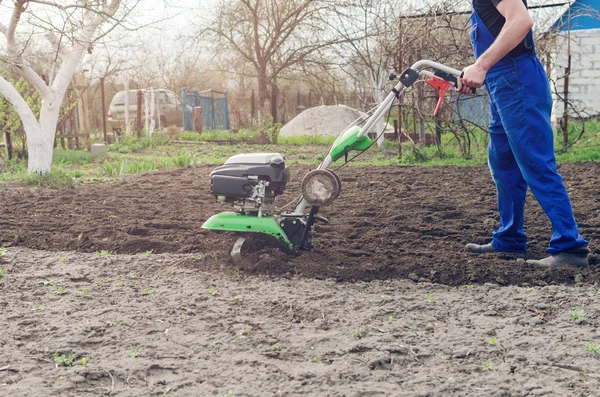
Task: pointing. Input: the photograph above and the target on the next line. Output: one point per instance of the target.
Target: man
(521, 148)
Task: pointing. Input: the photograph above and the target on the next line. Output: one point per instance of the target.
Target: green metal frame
(234, 222)
(349, 140)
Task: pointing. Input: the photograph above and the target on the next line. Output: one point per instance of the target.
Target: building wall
(584, 80)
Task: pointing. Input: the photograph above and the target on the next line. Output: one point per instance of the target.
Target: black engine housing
(239, 175)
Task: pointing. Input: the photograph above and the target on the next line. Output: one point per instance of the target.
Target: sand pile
(323, 120)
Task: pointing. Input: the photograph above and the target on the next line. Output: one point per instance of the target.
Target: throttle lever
(440, 86)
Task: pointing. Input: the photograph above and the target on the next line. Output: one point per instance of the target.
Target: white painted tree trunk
(42, 133)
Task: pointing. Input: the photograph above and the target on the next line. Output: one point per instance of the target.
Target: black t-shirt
(494, 21)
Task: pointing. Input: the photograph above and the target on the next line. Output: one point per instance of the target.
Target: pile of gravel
(323, 121)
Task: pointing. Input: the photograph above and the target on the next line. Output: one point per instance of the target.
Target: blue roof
(585, 14)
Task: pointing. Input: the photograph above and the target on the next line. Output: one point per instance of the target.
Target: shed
(578, 36)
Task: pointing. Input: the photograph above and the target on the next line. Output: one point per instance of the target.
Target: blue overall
(521, 148)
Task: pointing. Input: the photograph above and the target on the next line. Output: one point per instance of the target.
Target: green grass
(63, 360)
(132, 166)
(59, 178)
(220, 135)
(302, 140)
(134, 155)
(577, 315)
(72, 157)
(591, 347)
(2, 272)
(133, 144)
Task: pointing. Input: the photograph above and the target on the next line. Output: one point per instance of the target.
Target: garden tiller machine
(251, 182)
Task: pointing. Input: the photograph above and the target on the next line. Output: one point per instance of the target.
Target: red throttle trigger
(441, 86)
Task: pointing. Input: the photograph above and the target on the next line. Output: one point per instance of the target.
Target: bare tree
(70, 28)
(272, 36)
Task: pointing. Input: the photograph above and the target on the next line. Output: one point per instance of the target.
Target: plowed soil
(113, 289)
(389, 222)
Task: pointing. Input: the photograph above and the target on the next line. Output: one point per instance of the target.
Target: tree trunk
(263, 92)
(40, 138)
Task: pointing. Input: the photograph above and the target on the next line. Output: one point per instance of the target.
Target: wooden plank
(197, 116)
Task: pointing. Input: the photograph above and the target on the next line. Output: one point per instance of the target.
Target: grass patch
(133, 144)
(57, 179)
(182, 159)
(72, 167)
(63, 360)
(220, 135)
(72, 157)
(578, 314)
(591, 347)
(2, 272)
(302, 140)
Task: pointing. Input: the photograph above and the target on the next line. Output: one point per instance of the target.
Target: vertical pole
(138, 119)
(212, 107)
(565, 120)
(274, 94)
(226, 104)
(86, 111)
(103, 110)
(187, 126)
(309, 99)
(70, 119)
(252, 106)
(400, 100)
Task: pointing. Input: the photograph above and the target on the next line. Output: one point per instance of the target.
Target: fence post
(197, 116)
(103, 111)
(139, 114)
(184, 100)
(212, 107)
(253, 107)
(227, 123)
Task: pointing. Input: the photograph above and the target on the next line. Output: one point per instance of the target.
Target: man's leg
(524, 105)
(511, 191)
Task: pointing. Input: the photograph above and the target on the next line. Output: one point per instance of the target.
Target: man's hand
(517, 25)
(473, 76)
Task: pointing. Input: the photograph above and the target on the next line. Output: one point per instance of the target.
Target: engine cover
(238, 177)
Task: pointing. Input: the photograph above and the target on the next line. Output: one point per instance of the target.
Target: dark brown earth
(389, 222)
(182, 321)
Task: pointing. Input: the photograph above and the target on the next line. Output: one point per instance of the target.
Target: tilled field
(388, 304)
(389, 222)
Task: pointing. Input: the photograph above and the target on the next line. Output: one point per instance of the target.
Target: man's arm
(517, 25)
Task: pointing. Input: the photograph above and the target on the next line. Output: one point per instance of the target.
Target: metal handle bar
(418, 68)
(400, 87)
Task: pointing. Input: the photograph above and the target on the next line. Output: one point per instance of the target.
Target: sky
(178, 14)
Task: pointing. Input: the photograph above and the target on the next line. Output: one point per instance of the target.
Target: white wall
(584, 81)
